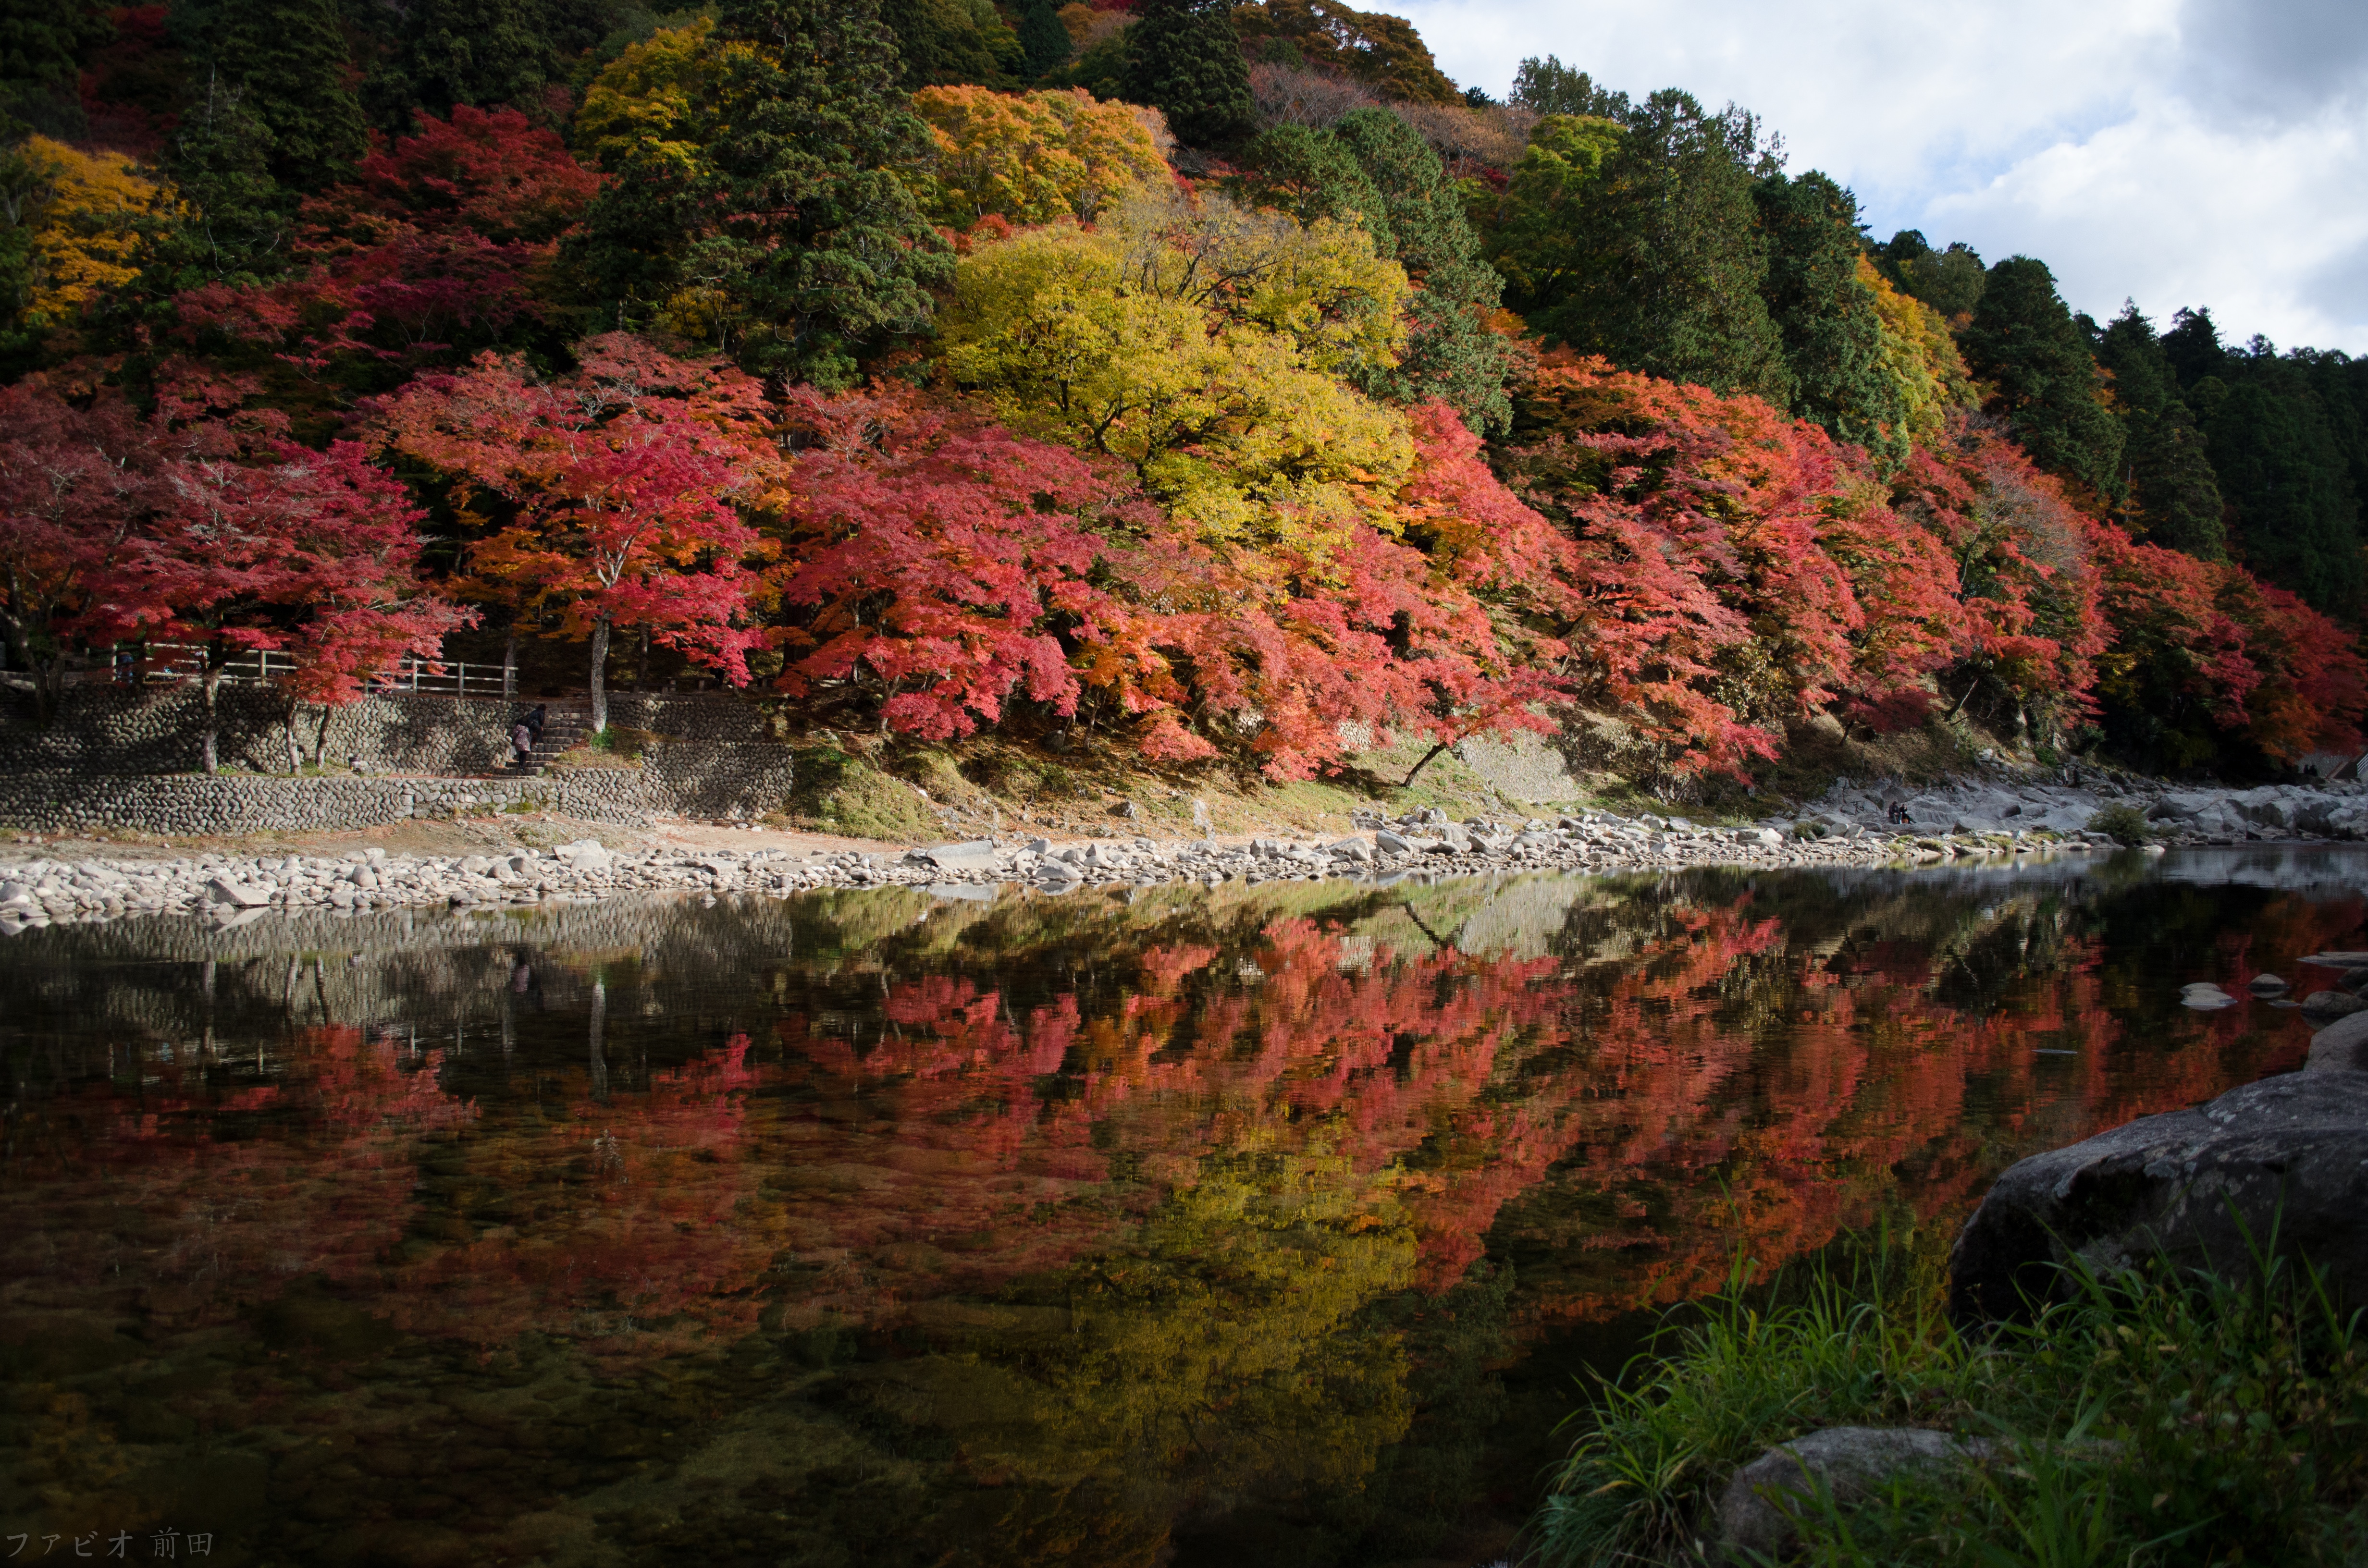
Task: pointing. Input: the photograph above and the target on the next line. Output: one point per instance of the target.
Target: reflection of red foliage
(1617, 1127)
(155, 1211)
(667, 1251)
(1684, 1113)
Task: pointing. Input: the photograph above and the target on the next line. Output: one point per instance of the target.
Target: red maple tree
(609, 492)
(274, 548)
(927, 552)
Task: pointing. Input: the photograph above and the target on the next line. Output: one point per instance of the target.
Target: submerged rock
(1849, 1460)
(2331, 1004)
(2285, 1158)
(2341, 1047)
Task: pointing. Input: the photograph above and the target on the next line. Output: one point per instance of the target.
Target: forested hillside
(1220, 385)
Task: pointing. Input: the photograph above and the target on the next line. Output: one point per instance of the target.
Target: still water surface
(1184, 1225)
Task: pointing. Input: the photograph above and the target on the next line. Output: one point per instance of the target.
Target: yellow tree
(1031, 157)
(1205, 345)
(652, 100)
(1920, 354)
(79, 218)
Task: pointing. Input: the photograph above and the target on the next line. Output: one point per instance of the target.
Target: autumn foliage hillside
(964, 385)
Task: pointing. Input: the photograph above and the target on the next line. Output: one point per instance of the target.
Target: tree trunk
(321, 735)
(642, 664)
(295, 757)
(509, 665)
(600, 676)
(599, 1058)
(22, 650)
(1419, 766)
(209, 684)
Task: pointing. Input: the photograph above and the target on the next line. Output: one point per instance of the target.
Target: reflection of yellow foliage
(1225, 1345)
(1204, 345)
(76, 1454)
(1031, 157)
(1921, 354)
(86, 235)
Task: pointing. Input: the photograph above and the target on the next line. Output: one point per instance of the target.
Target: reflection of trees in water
(1136, 1183)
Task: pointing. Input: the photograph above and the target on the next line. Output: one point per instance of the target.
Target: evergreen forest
(1218, 385)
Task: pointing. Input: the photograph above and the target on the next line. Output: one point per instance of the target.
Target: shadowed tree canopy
(1184, 58)
(2024, 342)
(289, 63)
(1833, 336)
(2172, 496)
(477, 52)
(42, 46)
(1044, 43)
(1665, 259)
(2293, 517)
(941, 42)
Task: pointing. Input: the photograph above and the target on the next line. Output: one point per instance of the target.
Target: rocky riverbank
(2176, 814)
(230, 887)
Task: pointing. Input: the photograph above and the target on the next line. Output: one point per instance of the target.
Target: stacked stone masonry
(121, 758)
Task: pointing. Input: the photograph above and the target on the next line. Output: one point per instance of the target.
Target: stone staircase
(563, 728)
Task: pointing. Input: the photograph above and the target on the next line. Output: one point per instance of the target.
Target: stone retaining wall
(121, 757)
(116, 729)
(232, 803)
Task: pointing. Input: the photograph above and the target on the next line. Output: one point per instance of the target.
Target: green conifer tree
(1183, 57)
(2172, 496)
(952, 42)
(42, 46)
(1949, 280)
(1043, 41)
(479, 53)
(1449, 353)
(220, 161)
(1311, 175)
(289, 66)
(1548, 86)
(1832, 334)
(2024, 342)
(1667, 259)
(819, 241)
(2295, 518)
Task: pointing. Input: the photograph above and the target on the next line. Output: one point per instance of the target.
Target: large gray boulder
(1849, 1460)
(971, 855)
(2287, 1155)
(2341, 1047)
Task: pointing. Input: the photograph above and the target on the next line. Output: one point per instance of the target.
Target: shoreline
(230, 888)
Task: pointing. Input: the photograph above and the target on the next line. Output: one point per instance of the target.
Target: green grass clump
(2156, 1421)
(2123, 824)
(838, 791)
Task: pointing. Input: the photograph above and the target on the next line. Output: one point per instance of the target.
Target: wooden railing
(171, 662)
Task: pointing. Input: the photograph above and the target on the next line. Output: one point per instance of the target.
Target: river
(1156, 1225)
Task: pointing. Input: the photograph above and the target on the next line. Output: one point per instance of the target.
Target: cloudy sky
(2176, 152)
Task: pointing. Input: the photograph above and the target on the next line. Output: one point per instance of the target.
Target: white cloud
(2267, 225)
(2206, 153)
